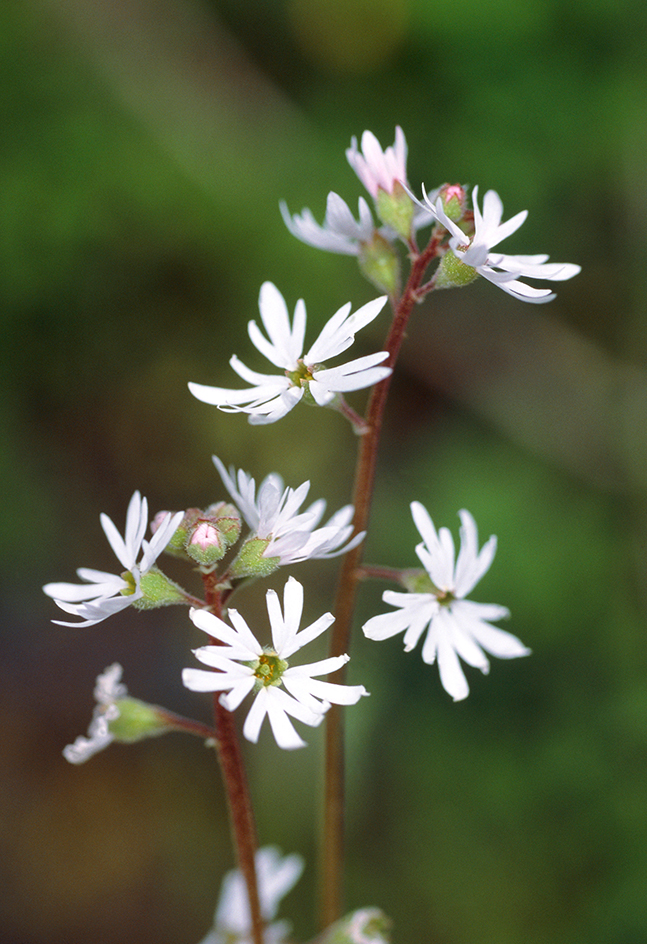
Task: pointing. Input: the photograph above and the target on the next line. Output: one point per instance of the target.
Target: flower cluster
(282, 530)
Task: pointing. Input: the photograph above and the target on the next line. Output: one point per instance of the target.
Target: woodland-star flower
(456, 627)
(340, 232)
(245, 666)
(274, 513)
(272, 396)
(378, 169)
(105, 594)
(276, 875)
(475, 251)
(107, 690)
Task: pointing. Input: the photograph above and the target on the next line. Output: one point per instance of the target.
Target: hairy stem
(333, 842)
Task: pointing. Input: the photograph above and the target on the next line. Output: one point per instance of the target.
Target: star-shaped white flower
(274, 513)
(456, 627)
(105, 594)
(378, 169)
(272, 396)
(340, 232)
(276, 875)
(244, 666)
(489, 231)
(107, 690)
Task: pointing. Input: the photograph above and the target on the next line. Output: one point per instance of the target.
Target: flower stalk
(241, 813)
(349, 576)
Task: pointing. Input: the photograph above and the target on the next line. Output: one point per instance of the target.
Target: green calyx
(137, 721)
(396, 209)
(250, 561)
(452, 273)
(379, 262)
(360, 927)
(157, 590)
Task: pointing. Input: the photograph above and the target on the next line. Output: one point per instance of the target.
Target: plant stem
(232, 766)
(333, 843)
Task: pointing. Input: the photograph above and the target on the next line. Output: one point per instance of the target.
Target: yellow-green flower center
(268, 669)
(301, 376)
(132, 586)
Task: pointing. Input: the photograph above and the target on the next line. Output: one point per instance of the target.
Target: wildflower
(273, 516)
(272, 396)
(105, 594)
(469, 256)
(276, 876)
(340, 231)
(456, 627)
(107, 690)
(245, 666)
(378, 169)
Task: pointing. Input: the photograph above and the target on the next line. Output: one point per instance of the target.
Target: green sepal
(379, 262)
(396, 209)
(452, 273)
(250, 561)
(364, 926)
(158, 591)
(417, 581)
(137, 720)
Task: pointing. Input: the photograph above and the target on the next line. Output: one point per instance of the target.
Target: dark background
(145, 147)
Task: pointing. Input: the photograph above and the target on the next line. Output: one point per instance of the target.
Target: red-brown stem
(238, 796)
(333, 842)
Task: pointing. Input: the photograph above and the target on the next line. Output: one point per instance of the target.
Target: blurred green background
(145, 148)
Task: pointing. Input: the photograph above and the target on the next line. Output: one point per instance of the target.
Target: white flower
(272, 396)
(276, 875)
(498, 268)
(379, 169)
(107, 690)
(245, 666)
(340, 231)
(104, 593)
(274, 514)
(455, 626)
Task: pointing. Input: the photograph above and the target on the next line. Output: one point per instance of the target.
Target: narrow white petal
(451, 674)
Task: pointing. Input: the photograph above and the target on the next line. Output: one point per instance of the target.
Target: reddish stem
(238, 796)
(333, 857)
